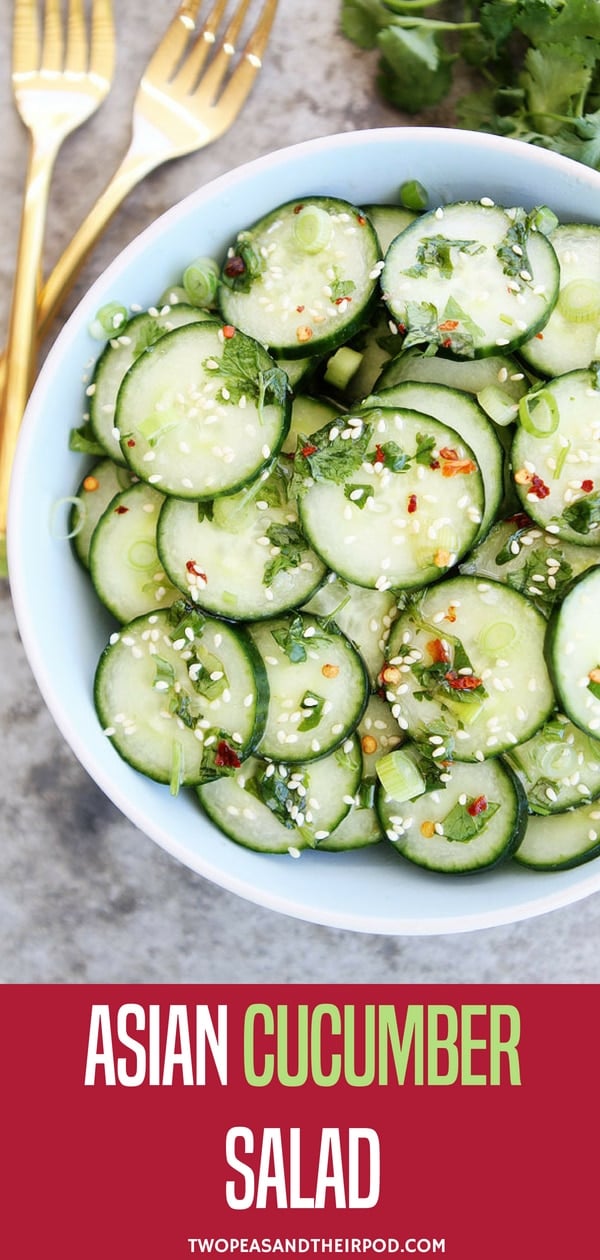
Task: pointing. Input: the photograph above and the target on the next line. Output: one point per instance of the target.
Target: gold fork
(179, 108)
(57, 85)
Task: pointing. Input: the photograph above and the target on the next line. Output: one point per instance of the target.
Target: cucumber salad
(343, 503)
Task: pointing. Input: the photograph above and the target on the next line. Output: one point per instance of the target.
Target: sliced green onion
(400, 778)
(544, 220)
(413, 196)
(77, 517)
(341, 367)
(543, 405)
(498, 636)
(108, 320)
(579, 301)
(312, 229)
(142, 555)
(200, 281)
(176, 768)
(497, 404)
(560, 461)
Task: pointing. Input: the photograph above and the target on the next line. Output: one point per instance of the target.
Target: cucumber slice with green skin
(378, 734)
(364, 616)
(388, 529)
(308, 801)
(202, 412)
(573, 652)
(463, 632)
(372, 344)
(133, 338)
(529, 559)
(182, 699)
(96, 490)
(125, 568)
(559, 767)
(570, 338)
(497, 381)
(296, 289)
(453, 279)
(318, 687)
(245, 560)
(461, 412)
(561, 842)
(474, 822)
(308, 415)
(389, 221)
(556, 457)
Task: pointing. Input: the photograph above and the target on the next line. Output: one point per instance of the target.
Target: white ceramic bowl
(62, 630)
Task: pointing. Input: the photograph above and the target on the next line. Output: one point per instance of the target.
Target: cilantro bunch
(534, 65)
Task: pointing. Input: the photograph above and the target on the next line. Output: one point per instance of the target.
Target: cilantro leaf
(436, 251)
(292, 547)
(246, 370)
(584, 514)
(462, 825)
(83, 440)
(327, 459)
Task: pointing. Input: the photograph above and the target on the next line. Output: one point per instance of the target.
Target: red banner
(174, 1121)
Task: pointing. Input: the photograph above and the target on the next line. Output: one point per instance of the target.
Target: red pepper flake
(379, 454)
(438, 652)
(307, 450)
(539, 487)
(447, 342)
(452, 464)
(345, 298)
(587, 486)
(478, 806)
(401, 328)
(192, 567)
(299, 309)
(131, 441)
(226, 756)
(462, 682)
(297, 209)
(451, 613)
(434, 463)
(448, 325)
(360, 218)
(412, 503)
(540, 336)
(121, 509)
(234, 267)
(521, 520)
(228, 331)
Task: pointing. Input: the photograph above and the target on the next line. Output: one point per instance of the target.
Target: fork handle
(20, 350)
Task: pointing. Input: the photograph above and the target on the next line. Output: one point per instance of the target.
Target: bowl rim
(587, 880)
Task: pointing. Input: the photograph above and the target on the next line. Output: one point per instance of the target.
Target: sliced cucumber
(245, 559)
(497, 381)
(468, 656)
(570, 338)
(561, 842)
(403, 514)
(277, 808)
(573, 652)
(182, 698)
(318, 687)
(125, 568)
(458, 410)
(556, 457)
(529, 559)
(471, 279)
(471, 824)
(304, 278)
(308, 414)
(96, 490)
(559, 767)
(202, 412)
(365, 616)
(379, 735)
(133, 338)
(389, 221)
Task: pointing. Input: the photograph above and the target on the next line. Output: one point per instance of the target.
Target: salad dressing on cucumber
(348, 526)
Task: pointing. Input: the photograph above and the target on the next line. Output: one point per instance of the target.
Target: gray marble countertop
(84, 896)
